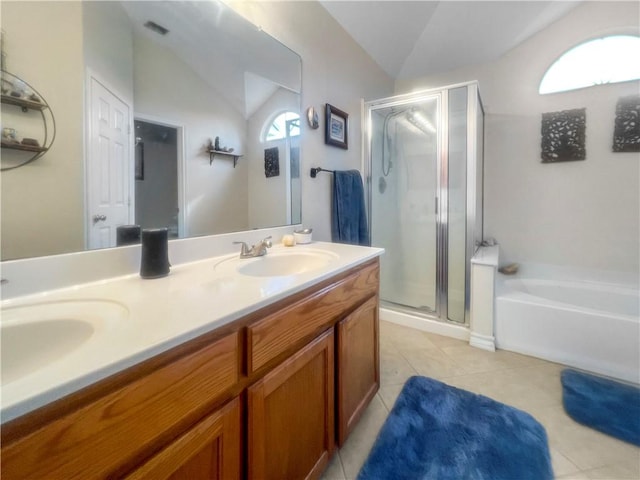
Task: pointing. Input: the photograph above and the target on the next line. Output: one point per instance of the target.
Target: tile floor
(526, 383)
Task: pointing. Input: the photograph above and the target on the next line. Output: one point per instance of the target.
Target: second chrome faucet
(258, 250)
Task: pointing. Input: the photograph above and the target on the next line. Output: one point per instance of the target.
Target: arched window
(279, 126)
(604, 60)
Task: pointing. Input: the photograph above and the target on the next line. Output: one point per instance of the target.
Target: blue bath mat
(606, 405)
(438, 432)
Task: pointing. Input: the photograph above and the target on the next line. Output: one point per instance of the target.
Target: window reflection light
(605, 60)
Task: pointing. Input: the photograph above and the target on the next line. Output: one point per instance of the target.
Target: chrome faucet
(258, 250)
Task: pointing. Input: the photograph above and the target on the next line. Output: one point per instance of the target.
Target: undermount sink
(277, 264)
(32, 336)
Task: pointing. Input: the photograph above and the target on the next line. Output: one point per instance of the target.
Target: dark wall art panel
(626, 133)
(563, 136)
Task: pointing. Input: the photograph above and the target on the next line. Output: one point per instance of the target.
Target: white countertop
(158, 314)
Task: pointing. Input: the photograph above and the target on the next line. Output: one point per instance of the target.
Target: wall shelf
(24, 148)
(29, 152)
(23, 103)
(213, 153)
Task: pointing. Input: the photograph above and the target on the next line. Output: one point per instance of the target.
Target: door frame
(442, 194)
(91, 75)
(183, 231)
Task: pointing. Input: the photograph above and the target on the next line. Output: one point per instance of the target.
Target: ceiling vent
(153, 26)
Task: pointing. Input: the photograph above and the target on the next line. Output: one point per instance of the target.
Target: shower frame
(474, 178)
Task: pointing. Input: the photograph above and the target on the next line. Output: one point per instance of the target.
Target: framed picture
(336, 127)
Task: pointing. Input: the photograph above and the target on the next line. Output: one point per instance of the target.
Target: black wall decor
(563, 136)
(626, 133)
(271, 162)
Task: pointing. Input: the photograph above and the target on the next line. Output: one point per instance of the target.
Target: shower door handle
(436, 203)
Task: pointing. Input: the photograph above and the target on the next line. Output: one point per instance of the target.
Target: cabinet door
(209, 451)
(358, 365)
(291, 415)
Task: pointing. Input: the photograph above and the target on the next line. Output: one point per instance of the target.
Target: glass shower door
(404, 148)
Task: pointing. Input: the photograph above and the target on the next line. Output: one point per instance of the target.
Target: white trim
(485, 342)
(417, 95)
(425, 324)
(90, 75)
(181, 134)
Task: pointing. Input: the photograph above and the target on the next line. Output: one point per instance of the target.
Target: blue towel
(349, 218)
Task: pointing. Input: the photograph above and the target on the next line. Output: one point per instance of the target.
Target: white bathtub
(572, 318)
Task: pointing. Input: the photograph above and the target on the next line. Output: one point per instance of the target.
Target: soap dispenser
(154, 259)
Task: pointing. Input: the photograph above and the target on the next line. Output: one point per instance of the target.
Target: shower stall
(424, 166)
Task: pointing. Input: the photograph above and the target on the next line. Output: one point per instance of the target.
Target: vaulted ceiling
(411, 39)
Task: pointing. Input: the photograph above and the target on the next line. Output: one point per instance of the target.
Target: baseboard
(425, 324)
(485, 342)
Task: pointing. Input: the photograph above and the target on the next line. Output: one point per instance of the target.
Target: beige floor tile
(404, 337)
(389, 394)
(394, 368)
(476, 360)
(433, 363)
(555, 421)
(356, 449)
(589, 449)
(527, 383)
(514, 387)
(573, 476)
(561, 464)
(334, 471)
(619, 471)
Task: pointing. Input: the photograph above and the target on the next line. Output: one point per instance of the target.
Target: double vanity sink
(54, 343)
(228, 368)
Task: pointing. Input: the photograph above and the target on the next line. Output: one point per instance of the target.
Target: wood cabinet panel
(209, 451)
(358, 362)
(102, 438)
(291, 415)
(282, 330)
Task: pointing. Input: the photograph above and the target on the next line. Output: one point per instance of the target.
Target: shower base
(408, 317)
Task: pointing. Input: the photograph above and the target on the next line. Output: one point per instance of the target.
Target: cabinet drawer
(209, 451)
(283, 330)
(110, 434)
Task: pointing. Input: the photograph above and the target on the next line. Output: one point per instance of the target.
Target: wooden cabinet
(254, 398)
(358, 365)
(291, 415)
(117, 428)
(208, 451)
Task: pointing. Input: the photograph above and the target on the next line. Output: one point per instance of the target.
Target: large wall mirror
(140, 90)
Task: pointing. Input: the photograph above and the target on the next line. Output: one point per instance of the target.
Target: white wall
(108, 46)
(584, 213)
(53, 34)
(335, 70)
(268, 196)
(167, 89)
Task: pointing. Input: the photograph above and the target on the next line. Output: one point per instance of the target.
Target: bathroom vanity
(266, 391)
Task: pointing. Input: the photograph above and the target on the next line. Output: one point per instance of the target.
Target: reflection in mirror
(141, 91)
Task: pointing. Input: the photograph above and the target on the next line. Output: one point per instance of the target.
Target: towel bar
(315, 171)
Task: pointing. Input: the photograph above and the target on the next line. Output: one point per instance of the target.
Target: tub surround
(483, 273)
(585, 319)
